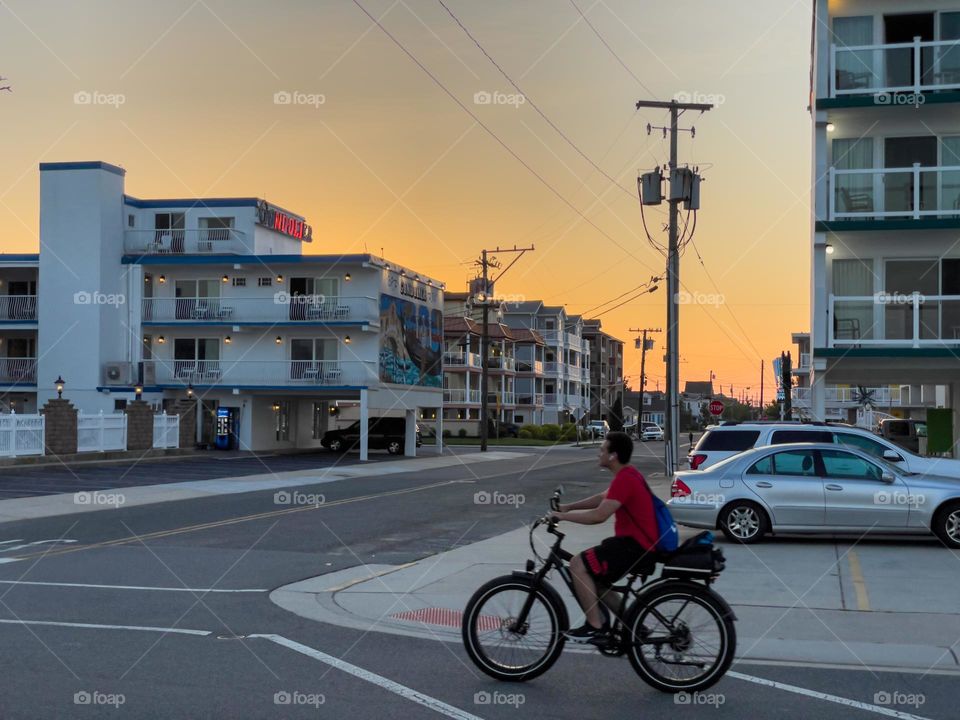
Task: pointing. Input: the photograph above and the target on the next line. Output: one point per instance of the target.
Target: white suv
(723, 441)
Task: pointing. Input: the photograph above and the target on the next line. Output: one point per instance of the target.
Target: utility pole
(761, 389)
(486, 297)
(643, 369)
(676, 196)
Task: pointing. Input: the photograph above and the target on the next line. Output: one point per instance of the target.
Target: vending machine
(226, 428)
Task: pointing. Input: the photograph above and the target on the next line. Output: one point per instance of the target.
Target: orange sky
(390, 161)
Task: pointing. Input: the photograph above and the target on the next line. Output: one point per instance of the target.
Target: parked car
(387, 433)
(905, 433)
(720, 442)
(598, 428)
(507, 429)
(815, 488)
(652, 432)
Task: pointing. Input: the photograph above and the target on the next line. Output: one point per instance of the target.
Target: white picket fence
(100, 433)
(166, 431)
(21, 435)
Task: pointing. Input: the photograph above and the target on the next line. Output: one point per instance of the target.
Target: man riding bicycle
(635, 534)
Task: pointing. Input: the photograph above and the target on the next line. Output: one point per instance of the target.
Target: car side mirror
(892, 456)
(887, 478)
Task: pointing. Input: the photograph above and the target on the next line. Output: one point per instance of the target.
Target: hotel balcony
(905, 193)
(18, 371)
(293, 374)
(909, 67)
(18, 308)
(460, 396)
(895, 321)
(525, 366)
(453, 360)
(535, 399)
(504, 398)
(280, 308)
(201, 241)
(884, 396)
(501, 362)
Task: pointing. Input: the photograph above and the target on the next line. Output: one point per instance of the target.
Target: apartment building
(215, 298)
(606, 370)
(885, 98)
(18, 332)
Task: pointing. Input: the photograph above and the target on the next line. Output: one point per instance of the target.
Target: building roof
(702, 388)
(528, 306)
(527, 335)
(459, 326)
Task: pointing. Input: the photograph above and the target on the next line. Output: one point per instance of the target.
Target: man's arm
(593, 516)
(586, 504)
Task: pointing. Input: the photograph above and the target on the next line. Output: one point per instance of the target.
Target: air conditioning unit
(117, 373)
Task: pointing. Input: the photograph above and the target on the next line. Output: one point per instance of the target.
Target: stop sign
(716, 407)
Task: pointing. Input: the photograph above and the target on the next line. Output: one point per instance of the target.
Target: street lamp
(59, 383)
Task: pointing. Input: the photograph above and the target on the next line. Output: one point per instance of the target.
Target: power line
(612, 51)
(628, 300)
(647, 284)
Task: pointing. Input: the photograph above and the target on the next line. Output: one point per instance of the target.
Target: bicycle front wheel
(681, 638)
(503, 645)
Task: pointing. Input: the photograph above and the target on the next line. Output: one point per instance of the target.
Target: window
(215, 228)
(319, 420)
(794, 462)
(131, 220)
(264, 282)
(283, 421)
(762, 467)
(119, 405)
(239, 282)
(861, 443)
(781, 437)
(735, 440)
(518, 419)
(840, 464)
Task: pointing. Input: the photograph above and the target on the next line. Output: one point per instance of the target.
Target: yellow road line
(859, 584)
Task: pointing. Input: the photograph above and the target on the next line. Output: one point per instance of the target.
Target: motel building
(212, 298)
(885, 306)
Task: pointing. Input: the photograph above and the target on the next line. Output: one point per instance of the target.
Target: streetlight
(59, 383)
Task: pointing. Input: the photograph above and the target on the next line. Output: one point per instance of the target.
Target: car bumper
(695, 515)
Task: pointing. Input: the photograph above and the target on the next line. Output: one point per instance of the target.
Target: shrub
(550, 431)
(447, 433)
(568, 432)
(530, 432)
(462, 432)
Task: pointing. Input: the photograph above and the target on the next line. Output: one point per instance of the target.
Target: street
(164, 610)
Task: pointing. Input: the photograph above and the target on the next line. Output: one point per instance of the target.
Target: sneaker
(588, 634)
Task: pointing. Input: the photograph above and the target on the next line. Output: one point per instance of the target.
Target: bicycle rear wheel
(681, 638)
(502, 648)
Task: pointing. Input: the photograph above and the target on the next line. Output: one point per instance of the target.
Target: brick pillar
(187, 410)
(139, 425)
(60, 431)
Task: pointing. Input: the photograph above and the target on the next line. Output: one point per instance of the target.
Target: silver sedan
(815, 488)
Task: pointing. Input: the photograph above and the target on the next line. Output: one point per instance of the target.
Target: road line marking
(888, 712)
(133, 587)
(96, 626)
(358, 672)
(859, 584)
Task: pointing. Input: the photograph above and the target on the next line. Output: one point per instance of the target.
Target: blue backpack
(669, 535)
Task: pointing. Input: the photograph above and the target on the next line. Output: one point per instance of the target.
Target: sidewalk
(792, 599)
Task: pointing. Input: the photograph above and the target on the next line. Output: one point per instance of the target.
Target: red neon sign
(275, 219)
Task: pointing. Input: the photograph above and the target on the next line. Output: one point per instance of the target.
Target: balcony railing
(18, 371)
(530, 399)
(198, 241)
(461, 359)
(914, 192)
(504, 398)
(911, 67)
(883, 396)
(892, 320)
(461, 396)
(18, 307)
(525, 366)
(281, 307)
(804, 361)
(501, 362)
(234, 373)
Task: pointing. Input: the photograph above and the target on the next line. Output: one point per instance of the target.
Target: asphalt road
(127, 654)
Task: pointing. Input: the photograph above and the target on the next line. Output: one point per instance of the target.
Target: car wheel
(393, 447)
(336, 445)
(744, 522)
(946, 525)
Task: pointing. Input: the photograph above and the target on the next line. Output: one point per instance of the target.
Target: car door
(788, 483)
(858, 496)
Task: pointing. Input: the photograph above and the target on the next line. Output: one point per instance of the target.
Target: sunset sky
(389, 161)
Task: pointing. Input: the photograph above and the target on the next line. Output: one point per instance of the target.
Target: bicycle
(676, 630)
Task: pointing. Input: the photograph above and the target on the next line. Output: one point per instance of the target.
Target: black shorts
(615, 557)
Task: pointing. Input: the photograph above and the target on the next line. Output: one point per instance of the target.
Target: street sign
(781, 395)
(716, 407)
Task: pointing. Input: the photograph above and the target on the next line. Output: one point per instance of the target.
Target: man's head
(616, 450)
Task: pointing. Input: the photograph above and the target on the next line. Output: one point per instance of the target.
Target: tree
(615, 418)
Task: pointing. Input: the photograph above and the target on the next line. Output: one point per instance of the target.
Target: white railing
(286, 373)
(166, 431)
(99, 433)
(461, 396)
(552, 368)
(535, 399)
(895, 320)
(21, 435)
(461, 359)
(526, 366)
(912, 192)
(883, 396)
(187, 242)
(910, 67)
(18, 307)
(281, 307)
(501, 362)
(804, 361)
(18, 371)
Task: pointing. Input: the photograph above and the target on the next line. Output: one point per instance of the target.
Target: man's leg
(586, 591)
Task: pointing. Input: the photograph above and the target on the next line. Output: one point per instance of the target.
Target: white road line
(401, 690)
(133, 587)
(888, 712)
(95, 626)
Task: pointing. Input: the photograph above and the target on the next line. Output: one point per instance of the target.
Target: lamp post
(59, 383)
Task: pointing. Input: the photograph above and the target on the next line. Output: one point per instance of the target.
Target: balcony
(525, 366)
(454, 359)
(18, 308)
(202, 241)
(884, 396)
(552, 368)
(461, 396)
(501, 362)
(18, 371)
(535, 400)
(261, 373)
(895, 320)
(910, 67)
(281, 307)
(907, 193)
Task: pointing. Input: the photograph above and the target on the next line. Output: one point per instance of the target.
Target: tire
(548, 610)
(744, 522)
(336, 445)
(675, 599)
(394, 447)
(946, 525)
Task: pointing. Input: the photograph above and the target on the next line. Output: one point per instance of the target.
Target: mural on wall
(411, 343)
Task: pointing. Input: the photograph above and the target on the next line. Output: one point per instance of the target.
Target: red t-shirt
(635, 517)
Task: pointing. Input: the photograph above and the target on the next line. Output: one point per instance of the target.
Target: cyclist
(635, 533)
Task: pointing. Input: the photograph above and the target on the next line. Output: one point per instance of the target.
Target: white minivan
(726, 440)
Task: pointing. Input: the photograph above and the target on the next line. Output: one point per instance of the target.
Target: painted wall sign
(415, 290)
(276, 219)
